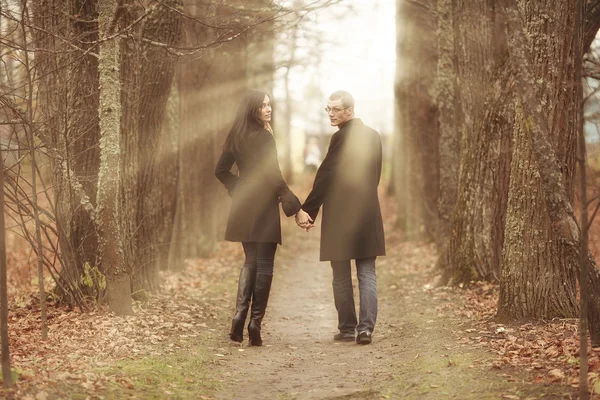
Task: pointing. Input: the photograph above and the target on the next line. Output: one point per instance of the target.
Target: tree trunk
(539, 269)
(130, 79)
(117, 273)
(155, 162)
(83, 132)
(34, 168)
(449, 149)
(171, 141)
(555, 190)
(68, 101)
(485, 120)
(583, 243)
(6, 374)
(416, 137)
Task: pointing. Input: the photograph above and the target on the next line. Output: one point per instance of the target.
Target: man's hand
(303, 220)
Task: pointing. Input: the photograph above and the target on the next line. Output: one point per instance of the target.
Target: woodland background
(113, 114)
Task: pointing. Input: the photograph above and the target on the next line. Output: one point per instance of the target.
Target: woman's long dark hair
(246, 123)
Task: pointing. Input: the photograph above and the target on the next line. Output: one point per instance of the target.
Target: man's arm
(379, 148)
(324, 177)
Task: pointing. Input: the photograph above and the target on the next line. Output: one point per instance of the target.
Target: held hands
(304, 221)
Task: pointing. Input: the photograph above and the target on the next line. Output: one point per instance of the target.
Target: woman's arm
(223, 171)
(289, 202)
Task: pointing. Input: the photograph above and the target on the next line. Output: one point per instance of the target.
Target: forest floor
(429, 343)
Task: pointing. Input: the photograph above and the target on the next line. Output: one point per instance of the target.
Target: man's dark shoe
(363, 337)
(344, 337)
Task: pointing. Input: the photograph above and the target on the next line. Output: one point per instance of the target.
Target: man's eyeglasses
(335, 109)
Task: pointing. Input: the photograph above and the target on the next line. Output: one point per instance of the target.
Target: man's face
(337, 113)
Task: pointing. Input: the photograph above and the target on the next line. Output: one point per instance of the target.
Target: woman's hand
(303, 220)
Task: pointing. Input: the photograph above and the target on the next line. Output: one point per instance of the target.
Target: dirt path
(299, 359)
(175, 346)
(418, 350)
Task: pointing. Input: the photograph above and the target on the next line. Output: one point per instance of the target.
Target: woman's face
(264, 113)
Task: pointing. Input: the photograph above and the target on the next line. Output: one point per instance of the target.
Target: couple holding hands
(345, 185)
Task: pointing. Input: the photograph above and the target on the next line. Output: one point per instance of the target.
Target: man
(352, 227)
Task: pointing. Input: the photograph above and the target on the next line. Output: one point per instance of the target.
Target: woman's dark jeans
(262, 255)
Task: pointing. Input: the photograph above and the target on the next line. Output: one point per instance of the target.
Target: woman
(254, 215)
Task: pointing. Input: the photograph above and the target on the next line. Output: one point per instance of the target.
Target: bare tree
(34, 169)
(6, 374)
(66, 78)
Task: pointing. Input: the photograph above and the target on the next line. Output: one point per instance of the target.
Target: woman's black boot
(245, 288)
(260, 298)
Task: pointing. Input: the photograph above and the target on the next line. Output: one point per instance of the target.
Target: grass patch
(186, 373)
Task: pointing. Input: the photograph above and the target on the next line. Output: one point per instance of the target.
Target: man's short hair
(345, 97)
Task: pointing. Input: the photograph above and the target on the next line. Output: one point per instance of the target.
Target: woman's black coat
(346, 185)
(256, 192)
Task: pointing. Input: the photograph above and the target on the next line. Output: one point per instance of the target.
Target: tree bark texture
(556, 193)
(485, 118)
(109, 179)
(449, 142)
(158, 163)
(539, 266)
(68, 101)
(149, 162)
(416, 119)
(4, 345)
(83, 153)
(582, 175)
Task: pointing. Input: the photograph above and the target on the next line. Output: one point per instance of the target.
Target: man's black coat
(346, 187)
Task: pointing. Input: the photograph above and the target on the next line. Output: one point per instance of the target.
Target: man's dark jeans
(344, 297)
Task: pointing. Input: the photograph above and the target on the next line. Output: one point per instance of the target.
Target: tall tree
(5, 349)
(484, 101)
(416, 170)
(449, 149)
(148, 161)
(582, 165)
(539, 271)
(34, 171)
(554, 191)
(68, 104)
(109, 60)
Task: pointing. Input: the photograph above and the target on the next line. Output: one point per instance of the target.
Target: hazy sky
(358, 55)
(364, 63)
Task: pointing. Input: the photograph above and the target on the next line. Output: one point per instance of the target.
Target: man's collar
(351, 122)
